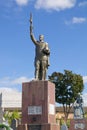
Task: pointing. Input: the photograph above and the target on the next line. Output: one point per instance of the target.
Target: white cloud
(20, 80)
(85, 79)
(10, 3)
(9, 82)
(9, 90)
(55, 4)
(83, 3)
(22, 2)
(84, 96)
(76, 20)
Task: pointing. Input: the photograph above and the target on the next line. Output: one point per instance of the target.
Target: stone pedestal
(78, 124)
(1, 115)
(38, 106)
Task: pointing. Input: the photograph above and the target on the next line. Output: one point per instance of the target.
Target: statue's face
(41, 37)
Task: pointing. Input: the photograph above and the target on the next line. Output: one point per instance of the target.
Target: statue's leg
(44, 68)
(48, 64)
(40, 72)
(37, 67)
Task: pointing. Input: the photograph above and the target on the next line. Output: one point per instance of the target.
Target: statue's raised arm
(31, 23)
(31, 30)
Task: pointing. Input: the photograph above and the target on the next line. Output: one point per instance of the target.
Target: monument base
(78, 124)
(39, 127)
(38, 106)
(38, 102)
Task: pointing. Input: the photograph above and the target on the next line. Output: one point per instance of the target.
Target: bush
(5, 126)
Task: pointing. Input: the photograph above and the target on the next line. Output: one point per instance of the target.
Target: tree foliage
(68, 85)
(4, 126)
(9, 116)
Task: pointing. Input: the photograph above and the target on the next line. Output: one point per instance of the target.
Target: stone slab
(38, 102)
(78, 124)
(39, 127)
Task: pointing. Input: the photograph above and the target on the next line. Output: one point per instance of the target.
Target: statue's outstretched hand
(31, 26)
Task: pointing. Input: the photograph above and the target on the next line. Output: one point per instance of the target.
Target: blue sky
(64, 26)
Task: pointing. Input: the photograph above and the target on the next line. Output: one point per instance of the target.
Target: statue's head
(41, 37)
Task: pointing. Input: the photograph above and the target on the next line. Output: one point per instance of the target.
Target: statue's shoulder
(38, 42)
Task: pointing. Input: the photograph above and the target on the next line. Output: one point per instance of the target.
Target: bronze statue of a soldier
(42, 54)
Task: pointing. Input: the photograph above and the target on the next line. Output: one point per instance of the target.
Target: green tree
(9, 116)
(67, 87)
(15, 115)
(4, 126)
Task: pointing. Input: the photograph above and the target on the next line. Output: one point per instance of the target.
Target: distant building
(10, 100)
